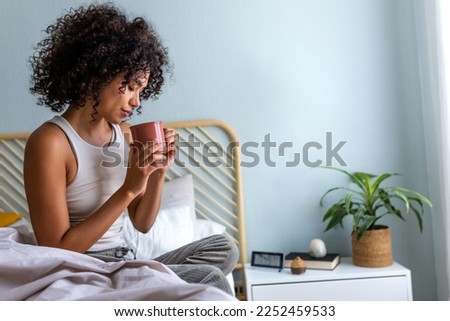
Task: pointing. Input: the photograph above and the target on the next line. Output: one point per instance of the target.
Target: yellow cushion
(8, 218)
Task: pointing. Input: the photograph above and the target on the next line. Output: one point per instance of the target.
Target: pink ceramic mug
(148, 132)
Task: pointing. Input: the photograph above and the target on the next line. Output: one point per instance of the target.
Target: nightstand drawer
(386, 288)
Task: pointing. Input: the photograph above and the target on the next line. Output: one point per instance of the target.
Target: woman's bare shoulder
(49, 155)
(47, 138)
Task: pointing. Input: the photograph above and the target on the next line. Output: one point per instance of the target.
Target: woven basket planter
(373, 249)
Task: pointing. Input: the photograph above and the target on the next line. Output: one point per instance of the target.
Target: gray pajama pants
(206, 261)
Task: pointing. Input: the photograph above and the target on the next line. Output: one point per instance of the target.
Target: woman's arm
(144, 208)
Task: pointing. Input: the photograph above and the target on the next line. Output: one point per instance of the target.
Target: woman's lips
(126, 113)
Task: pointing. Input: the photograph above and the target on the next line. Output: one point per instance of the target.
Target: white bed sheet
(29, 272)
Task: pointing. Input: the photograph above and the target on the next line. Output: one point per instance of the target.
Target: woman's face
(117, 102)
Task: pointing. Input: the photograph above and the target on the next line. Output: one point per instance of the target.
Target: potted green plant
(367, 202)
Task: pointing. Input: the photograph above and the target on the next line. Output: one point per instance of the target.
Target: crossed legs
(206, 261)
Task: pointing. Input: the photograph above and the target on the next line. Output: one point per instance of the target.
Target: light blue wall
(292, 69)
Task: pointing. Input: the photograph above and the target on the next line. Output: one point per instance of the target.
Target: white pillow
(179, 192)
(173, 228)
(205, 228)
(176, 224)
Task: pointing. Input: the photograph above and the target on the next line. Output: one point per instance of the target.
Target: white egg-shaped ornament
(317, 248)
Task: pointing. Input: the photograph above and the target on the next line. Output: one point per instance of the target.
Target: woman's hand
(169, 157)
(143, 161)
(144, 209)
(169, 150)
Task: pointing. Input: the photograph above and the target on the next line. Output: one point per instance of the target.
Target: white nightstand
(346, 282)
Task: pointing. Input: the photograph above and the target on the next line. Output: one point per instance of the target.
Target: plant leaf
(419, 218)
(418, 195)
(368, 223)
(334, 215)
(382, 178)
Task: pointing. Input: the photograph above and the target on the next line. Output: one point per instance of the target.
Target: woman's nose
(135, 101)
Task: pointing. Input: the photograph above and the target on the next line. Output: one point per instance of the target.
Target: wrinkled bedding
(30, 272)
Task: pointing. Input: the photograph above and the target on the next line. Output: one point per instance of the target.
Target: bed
(202, 196)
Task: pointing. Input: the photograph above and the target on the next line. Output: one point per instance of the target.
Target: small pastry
(298, 266)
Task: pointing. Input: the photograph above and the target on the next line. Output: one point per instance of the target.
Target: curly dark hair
(85, 49)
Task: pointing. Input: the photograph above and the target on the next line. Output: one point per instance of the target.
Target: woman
(95, 66)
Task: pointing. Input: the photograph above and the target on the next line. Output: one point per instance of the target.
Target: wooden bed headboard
(207, 149)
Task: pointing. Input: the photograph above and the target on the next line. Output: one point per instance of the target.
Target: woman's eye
(130, 88)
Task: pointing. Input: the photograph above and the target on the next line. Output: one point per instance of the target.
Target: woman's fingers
(170, 136)
(147, 154)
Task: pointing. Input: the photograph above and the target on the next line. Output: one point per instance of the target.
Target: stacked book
(328, 262)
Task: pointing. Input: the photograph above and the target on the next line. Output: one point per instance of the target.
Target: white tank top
(100, 173)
